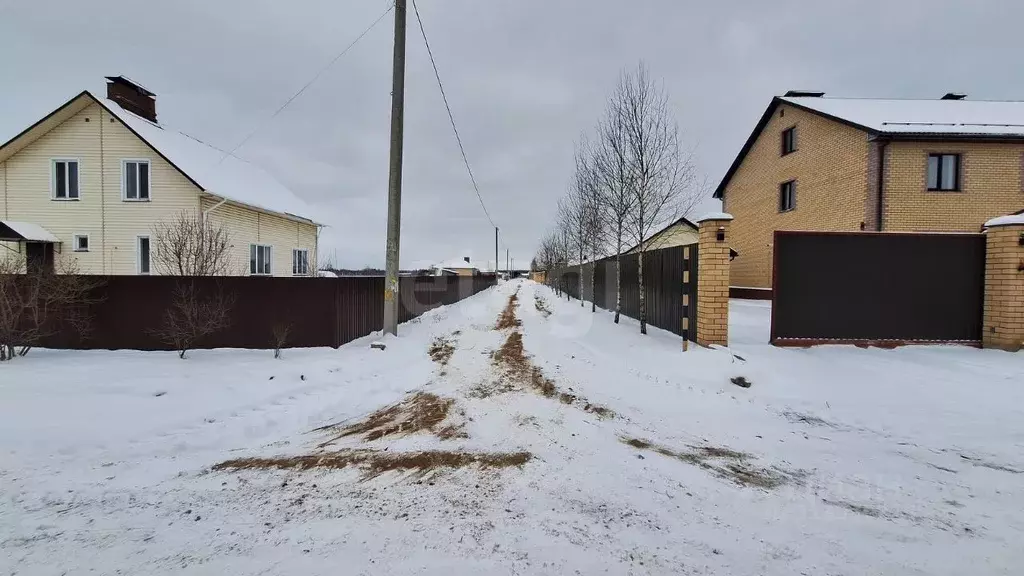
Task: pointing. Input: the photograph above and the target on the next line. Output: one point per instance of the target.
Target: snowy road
(559, 443)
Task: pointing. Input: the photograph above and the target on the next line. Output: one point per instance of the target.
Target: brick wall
(990, 186)
(713, 283)
(1003, 325)
(830, 167)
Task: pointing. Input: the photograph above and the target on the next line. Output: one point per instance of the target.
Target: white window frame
(124, 179)
(296, 252)
(53, 179)
(74, 243)
(138, 255)
(269, 260)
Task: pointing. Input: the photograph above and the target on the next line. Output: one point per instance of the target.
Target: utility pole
(495, 253)
(506, 261)
(391, 293)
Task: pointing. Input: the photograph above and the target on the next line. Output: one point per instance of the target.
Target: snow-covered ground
(837, 460)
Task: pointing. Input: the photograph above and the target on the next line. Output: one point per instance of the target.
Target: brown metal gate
(864, 287)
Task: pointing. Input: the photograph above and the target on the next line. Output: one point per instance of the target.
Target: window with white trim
(300, 262)
(259, 259)
(135, 180)
(65, 179)
(80, 242)
(144, 255)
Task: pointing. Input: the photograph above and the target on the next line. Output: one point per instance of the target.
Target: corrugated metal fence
(852, 287)
(663, 285)
(318, 311)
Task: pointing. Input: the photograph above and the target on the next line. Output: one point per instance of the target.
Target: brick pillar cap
(1011, 220)
(717, 216)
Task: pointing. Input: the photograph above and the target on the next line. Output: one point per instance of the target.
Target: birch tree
(661, 175)
(615, 180)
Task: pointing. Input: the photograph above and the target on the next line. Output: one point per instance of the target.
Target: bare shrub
(280, 331)
(190, 245)
(36, 305)
(193, 315)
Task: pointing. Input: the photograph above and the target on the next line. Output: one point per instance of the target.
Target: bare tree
(193, 315)
(616, 185)
(36, 305)
(580, 215)
(189, 244)
(660, 174)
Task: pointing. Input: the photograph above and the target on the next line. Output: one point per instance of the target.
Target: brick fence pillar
(713, 280)
(1003, 324)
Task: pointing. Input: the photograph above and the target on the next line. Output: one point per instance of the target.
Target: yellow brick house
(92, 180)
(848, 164)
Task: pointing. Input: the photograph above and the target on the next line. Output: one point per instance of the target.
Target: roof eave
(288, 215)
(945, 136)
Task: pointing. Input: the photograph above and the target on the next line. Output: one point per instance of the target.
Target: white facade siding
(246, 227)
(101, 143)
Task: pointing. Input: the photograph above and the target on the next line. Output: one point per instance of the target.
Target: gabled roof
(902, 119)
(211, 170)
(670, 225)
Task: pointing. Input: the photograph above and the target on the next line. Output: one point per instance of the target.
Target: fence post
(1003, 321)
(713, 279)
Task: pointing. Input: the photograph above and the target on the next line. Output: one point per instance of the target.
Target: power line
(458, 138)
(310, 83)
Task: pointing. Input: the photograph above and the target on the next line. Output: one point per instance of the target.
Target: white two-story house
(94, 178)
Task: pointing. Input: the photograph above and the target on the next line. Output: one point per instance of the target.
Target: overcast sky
(524, 77)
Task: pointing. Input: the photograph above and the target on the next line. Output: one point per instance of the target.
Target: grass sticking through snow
(722, 462)
(420, 412)
(518, 368)
(542, 305)
(508, 319)
(441, 350)
(374, 463)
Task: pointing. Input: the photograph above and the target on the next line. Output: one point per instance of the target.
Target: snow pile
(516, 432)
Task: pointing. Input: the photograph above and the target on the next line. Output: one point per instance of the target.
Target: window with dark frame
(65, 179)
(259, 259)
(300, 262)
(944, 172)
(136, 180)
(789, 140)
(787, 196)
(144, 255)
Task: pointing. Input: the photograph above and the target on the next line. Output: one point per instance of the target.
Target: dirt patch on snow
(518, 368)
(542, 305)
(420, 412)
(723, 463)
(508, 319)
(373, 463)
(441, 349)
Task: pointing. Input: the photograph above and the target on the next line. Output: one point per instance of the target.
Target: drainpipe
(881, 182)
(212, 208)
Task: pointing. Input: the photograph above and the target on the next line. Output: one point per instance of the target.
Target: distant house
(679, 233)
(849, 164)
(92, 179)
(457, 267)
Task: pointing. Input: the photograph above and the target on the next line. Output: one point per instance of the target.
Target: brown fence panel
(663, 285)
(129, 310)
(866, 287)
